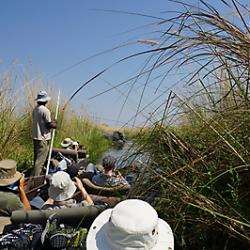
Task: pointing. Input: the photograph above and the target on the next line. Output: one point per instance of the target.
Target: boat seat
(33, 185)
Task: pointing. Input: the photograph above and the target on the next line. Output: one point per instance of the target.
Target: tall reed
(198, 173)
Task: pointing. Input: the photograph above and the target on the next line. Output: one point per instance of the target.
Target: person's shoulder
(8, 194)
(43, 108)
(10, 201)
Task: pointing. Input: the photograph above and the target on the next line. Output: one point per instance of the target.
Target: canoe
(35, 186)
(78, 155)
(107, 191)
(78, 216)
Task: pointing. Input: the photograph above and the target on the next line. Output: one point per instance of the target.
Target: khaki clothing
(9, 202)
(4, 221)
(66, 204)
(41, 149)
(41, 135)
(40, 118)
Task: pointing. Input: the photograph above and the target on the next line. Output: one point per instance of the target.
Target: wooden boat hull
(80, 216)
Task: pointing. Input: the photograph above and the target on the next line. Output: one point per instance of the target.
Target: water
(126, 156)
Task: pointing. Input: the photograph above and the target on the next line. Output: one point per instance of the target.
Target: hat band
(7, 177)
(7, 174)
(119, 239)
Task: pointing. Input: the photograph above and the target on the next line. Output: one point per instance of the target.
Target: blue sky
(46, 37)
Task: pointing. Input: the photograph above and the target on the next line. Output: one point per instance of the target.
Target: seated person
(110, 177)
(12, 193)
(132, 175)
(68, 143)
(91, 170)
(61, 191)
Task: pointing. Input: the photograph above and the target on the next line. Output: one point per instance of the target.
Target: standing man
(41, 126)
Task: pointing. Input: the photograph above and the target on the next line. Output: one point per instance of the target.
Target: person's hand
(53, 124)
(78, 183)
(22, 183)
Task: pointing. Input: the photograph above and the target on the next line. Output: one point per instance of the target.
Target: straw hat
(42, 96)
(61, 186)
(66, 142)
(8, 173)
(132, 224)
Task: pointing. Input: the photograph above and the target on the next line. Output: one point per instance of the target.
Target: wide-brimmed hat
(42, 96)
(61, 186)
(66, 142)
(132, 224)
(8, 173)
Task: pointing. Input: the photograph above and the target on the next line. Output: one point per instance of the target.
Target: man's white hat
(42, 96)
(132, 224)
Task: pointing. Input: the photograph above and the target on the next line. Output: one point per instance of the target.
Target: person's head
(130, 225)
(42, 97)
(108, 163)
(8, 174)
(61, 186)
(66, 143)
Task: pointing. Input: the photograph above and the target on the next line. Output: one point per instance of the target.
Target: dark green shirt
(9, 202)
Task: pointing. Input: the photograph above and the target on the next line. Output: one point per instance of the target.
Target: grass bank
(16, 107)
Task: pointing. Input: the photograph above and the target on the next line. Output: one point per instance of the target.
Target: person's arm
(47, 118)
(84, 193)
(22, 194)
(52, 124)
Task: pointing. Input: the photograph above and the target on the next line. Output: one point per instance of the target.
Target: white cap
(132, 224)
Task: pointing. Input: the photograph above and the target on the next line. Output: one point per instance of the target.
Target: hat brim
(9, 181)
(64, 145)
(96, 239)
(43, 99)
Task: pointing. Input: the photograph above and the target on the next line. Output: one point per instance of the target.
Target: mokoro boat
(78, 216)
(36, 186)
(77, 156)
(107, 191)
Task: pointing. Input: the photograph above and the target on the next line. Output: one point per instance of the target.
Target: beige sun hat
(132, 224)
(8, 173)
(61, 186)
(66, 142)
(42, 96)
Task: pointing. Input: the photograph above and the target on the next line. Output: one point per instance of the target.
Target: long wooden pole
(53, 134)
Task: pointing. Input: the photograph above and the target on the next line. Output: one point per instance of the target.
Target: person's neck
(109, 172)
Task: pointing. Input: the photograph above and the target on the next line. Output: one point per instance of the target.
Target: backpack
(25, 236)
(57, 235)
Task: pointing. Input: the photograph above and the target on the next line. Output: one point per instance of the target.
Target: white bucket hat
(42, 96)
(61, 186)
(66, 142)
(132, 224)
